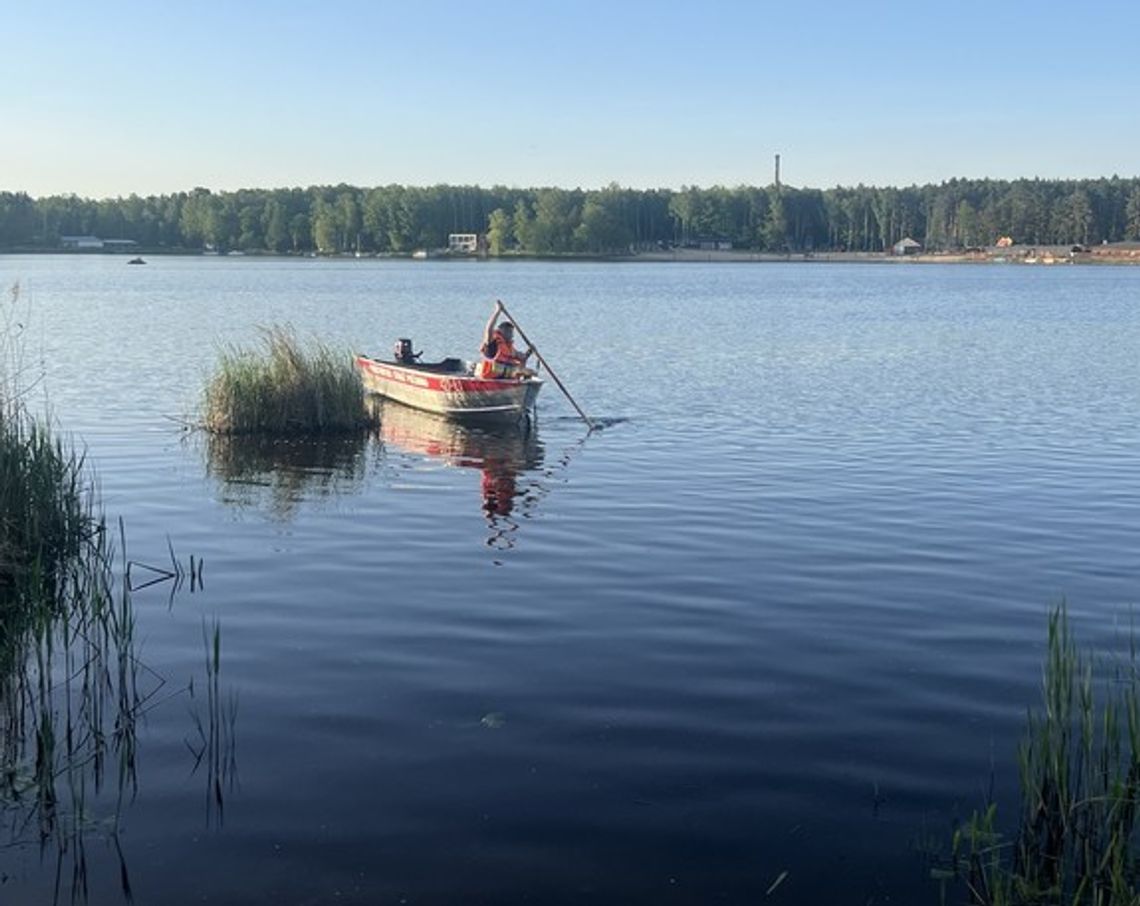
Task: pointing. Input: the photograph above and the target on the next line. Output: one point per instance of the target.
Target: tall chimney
(777, 172)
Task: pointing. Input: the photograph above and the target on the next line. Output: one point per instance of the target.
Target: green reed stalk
(1079, 767)
(284, 388)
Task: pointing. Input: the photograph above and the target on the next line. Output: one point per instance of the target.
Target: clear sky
(106, 99)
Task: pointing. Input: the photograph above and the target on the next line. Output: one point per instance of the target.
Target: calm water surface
(784, 614)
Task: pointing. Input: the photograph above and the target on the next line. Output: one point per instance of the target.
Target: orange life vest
(504, 360)
(504, 350)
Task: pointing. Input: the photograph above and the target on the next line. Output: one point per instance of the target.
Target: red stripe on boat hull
(454, 395)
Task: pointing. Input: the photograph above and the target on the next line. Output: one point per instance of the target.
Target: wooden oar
(538, 355)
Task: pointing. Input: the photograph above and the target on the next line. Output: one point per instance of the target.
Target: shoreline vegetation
(74, 692)
(1027, 220)
(69, 674)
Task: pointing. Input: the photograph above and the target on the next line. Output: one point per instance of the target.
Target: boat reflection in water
(504, 453)
(279, 474)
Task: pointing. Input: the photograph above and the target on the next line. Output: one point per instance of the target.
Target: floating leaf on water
(493, 720)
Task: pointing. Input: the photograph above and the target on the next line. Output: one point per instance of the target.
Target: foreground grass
(284, 388)
(1080, 788)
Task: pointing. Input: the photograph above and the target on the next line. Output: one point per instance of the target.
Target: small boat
(447, 388)
(136, 261)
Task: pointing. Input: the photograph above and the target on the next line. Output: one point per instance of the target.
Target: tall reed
(47, 517)
(1079, 768)
(216, 749)
(72, 689)
(284, 388)
(69, 697)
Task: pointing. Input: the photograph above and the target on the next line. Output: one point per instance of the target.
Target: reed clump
(1079, 769)
(284, 387)
(46, 512)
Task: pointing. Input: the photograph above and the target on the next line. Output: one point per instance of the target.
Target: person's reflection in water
(506, 456)
(500, 487)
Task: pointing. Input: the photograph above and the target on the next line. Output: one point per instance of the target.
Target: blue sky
(106, 99)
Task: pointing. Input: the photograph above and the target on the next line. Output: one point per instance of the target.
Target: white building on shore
(91, 243)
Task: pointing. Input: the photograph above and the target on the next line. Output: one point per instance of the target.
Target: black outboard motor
(402, 352)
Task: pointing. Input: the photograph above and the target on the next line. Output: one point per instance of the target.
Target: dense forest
(543, 221)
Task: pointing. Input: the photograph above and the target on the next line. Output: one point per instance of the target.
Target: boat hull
(455, 395)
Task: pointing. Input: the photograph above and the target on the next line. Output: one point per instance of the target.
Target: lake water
(781, 618)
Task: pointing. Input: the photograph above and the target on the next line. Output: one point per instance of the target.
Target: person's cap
(506, 325)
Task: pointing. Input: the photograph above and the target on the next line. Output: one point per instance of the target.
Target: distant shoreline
(1122, 253)
(1116, 253)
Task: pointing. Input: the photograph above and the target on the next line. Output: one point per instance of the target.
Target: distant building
(463, 243)
(709, 244)
(94, 242)
(81, 242)
(1004, 242)
(906, 246)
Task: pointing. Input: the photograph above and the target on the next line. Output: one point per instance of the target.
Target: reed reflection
(278, 473)
(508, 456)
(214, 711)
(70, 701)
(74, 695)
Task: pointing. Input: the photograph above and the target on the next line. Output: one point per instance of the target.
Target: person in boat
(500, 358)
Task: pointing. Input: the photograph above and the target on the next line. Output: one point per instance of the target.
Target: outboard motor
(402, 352)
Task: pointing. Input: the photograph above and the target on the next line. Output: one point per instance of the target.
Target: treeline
(541, 221)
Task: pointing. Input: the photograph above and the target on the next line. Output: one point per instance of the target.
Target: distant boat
(136, 261)
(420, 254)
